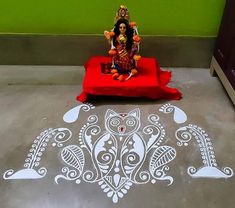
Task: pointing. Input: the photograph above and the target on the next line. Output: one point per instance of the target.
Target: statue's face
(122, 28)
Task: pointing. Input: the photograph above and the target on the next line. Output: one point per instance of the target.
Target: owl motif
(120, 151)
(122, 124)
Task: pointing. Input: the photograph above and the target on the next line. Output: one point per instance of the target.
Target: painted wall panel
(154, 17)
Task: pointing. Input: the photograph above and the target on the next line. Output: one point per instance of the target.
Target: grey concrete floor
(35, 98)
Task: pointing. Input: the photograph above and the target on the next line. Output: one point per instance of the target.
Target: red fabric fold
(151, 82)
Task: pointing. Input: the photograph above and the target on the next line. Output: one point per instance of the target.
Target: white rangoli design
(179, 115)
(73, 156)
(73, 114)
(59, 135)
(118, 154)
(122, 151)
(185, 134)
(209, 170)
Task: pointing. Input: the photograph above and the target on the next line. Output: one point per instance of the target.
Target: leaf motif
(73, 156)
(161, 156)
(37, 149)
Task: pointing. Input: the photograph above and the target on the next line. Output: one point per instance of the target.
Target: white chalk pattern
(73, 114)
(118, 149)
(118, 153)
(179, 115)
(210, 168)
(31, 170)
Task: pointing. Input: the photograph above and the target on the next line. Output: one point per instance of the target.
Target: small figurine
(124, 41)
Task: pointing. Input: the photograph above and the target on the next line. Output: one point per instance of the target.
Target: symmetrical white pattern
(118, 153)
(179, 115)
(73, 114)
(32, 161)
(209, 170)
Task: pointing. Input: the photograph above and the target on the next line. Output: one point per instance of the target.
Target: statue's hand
(136, 38)
(107, 35)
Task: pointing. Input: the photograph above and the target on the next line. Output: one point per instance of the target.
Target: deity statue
(124, 41)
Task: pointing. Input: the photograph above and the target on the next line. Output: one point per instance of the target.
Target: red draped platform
(151, 82)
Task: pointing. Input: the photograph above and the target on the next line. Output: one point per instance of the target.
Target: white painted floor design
(122, 153)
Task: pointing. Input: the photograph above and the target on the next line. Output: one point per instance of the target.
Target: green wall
(154, 17)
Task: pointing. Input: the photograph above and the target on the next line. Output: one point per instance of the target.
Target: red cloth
(150, 82)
